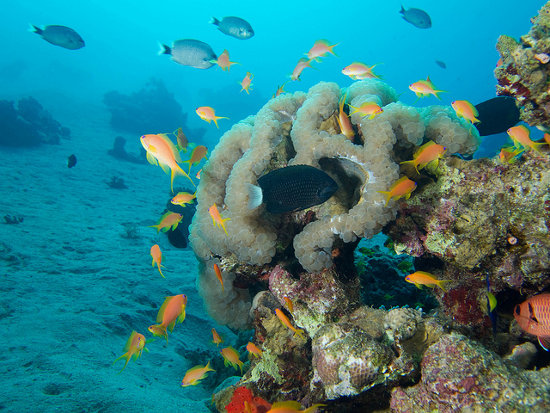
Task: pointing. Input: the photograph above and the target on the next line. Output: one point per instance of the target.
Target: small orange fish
(547, 138)
(369, 109)
(466, 110)
(291, 406)
(253, 349)
(289, 305)
(508, 154)
(343, 120)
(194, 375)
(403, 187)
(429, 152)
(533, 316)
(216, 338)
(420, 278)
(208, 114)
(246, 82)
(424, 88)
(198, 175)
(183, 198)
(280, 90)
(181, 140)
(521, 137)
(134, 347)
(169, 220)
(320, 48)
(231, 358)
(286, 322)
(217, 218)
(300, 66)
(171, 312)
(161, 151)
(198, 154)
(157, 258)
(223, 61)
(359, 71)
(218, 274)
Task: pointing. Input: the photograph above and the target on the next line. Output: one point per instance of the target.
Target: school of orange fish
(533, 315)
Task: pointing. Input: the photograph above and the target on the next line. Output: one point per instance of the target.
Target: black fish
(416, 17)
(292, 188)
(71, 161)
(497, 115)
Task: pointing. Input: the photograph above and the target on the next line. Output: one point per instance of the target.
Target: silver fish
(60, 36)
(234, 26)
(190, 52)
(416, 17)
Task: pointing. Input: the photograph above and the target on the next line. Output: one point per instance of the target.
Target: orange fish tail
(387, 195)
(300, 333)
(180, 171)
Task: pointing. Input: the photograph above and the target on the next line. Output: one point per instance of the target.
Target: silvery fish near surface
(291, 189)
(60, 36)
(416, 17)
(190, 52)
(234, 26)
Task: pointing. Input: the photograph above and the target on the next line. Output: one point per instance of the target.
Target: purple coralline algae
(524, 68)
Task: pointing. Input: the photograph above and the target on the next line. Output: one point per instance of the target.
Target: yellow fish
(194, 375)
(134, 347)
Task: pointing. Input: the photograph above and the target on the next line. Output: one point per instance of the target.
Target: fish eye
(517, 310)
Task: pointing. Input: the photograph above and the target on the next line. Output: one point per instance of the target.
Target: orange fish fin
(162, 309)
(151, 159)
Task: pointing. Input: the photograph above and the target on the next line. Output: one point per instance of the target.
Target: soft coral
(242, 394)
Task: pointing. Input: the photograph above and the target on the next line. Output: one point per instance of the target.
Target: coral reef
(119, 152)
(152, 109)
(29, 125)
(523, 70)
(480, 220)
(116, 183)
(459, 374)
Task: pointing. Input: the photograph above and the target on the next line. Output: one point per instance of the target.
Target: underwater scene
(250, 207)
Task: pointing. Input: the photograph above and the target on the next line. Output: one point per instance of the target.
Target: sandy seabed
(73, 287)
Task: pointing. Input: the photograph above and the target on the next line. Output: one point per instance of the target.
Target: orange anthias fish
(547, 138)
(466, 110)
(343, 120)
(291, 406)
(359, 71)
(198, 154)
(181, 140)
(289, 305)
(231, 358)
(217, 218)
(183, 198)
(161, 151)
(420, 278)
(216, 338)
(280, 90)
(194, 375)
(208, 114)
(134, 347)
(169, 220)
(286, 322)
(198, 175)
(508, 154)
(218, 274)
(246, 82)
(300, 66)
(533, 316)
(429, 152)
(253, 349)
(171, 311)
(521, 137)
(403, 187)
(157, 258)
(223, 61)
(424, 88)
(369, 109)
(320, 48)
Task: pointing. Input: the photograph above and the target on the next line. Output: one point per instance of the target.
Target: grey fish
(416, 17)
(292, 188)
(190, 52)
(234, 26)
(60, 36)
(441, 64)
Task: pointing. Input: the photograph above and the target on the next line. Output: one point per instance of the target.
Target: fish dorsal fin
(129, 342)
(151, 159)
(544, 343)
(173, 148)
(426, 145)
(160, 315)
(290, 404)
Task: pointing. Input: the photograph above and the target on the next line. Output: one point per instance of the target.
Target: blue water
(65, 326)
